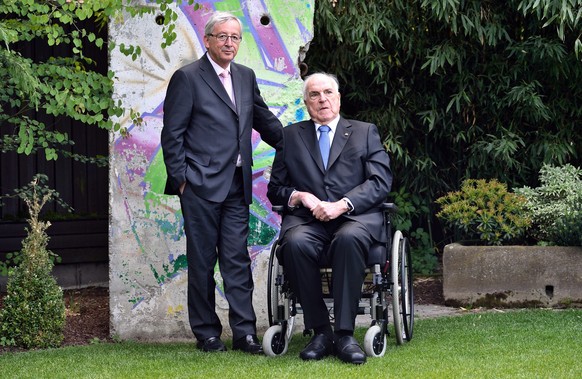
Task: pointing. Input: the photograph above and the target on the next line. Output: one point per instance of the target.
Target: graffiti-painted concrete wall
(147, 244)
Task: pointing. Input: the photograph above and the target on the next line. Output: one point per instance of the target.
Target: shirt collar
(216, 67)
(332, 124)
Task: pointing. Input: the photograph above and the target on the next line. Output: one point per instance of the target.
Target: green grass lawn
(512, 344)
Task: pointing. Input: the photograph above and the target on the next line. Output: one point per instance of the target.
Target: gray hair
(334, 81)
(219, 18)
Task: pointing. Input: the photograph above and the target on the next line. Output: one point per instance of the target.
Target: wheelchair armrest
(278, 208)
(389, 207)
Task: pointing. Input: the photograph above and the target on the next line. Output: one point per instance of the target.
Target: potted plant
(515, 248)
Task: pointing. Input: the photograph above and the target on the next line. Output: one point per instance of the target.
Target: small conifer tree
(33, 315)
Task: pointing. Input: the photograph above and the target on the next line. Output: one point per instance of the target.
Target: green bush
(11, 260)
(485, 211)
(568, 229)
(554, 206)
(33, 314)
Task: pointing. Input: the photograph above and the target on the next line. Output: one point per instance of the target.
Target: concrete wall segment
(147, 273)
(512, 275)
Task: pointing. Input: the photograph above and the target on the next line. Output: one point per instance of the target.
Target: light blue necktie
(324, 143)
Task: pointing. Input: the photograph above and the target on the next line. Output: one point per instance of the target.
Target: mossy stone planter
(512, 275)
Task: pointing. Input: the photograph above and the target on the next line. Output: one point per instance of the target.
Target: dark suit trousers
(218, 231)
(302, 254)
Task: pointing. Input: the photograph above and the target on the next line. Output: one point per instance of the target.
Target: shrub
(568, 230)
(33, 315)
(554, 206)
(485, 211)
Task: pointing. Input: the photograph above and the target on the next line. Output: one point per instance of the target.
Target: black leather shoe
(348, 350)
(249, 344)
(319, 347)
(211, 344)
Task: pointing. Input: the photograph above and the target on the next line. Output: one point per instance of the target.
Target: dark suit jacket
(359, 169)
(203, 133)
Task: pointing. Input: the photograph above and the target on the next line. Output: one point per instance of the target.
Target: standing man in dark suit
(206, 142)
(332, 199)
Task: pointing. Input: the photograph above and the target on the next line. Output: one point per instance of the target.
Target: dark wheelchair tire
(406, 290)
(272, 289)
(396, 285)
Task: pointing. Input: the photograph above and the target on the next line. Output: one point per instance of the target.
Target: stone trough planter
(512, 276)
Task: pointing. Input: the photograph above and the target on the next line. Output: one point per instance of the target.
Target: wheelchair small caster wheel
(275, 341)
(374, 344)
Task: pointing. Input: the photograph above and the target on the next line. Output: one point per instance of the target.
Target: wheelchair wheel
(274, 298)
(396, 286)
(406, 290)
(374, 342)
(275, 342)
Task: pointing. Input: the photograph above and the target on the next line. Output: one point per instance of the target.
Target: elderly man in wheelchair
(331, 198)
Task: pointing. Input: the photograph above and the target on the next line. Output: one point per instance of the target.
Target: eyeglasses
(314, 95)
(223, 37)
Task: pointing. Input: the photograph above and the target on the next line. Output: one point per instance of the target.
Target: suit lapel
(342, 134)
(309, 138)
(235, 75)
(209, 76)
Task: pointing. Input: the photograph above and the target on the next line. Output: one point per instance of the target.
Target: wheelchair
(388, 284)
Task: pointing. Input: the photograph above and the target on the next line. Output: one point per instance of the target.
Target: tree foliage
(64, 87)
(459, 89)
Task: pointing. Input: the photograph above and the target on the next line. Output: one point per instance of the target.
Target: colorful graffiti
(147, 240)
